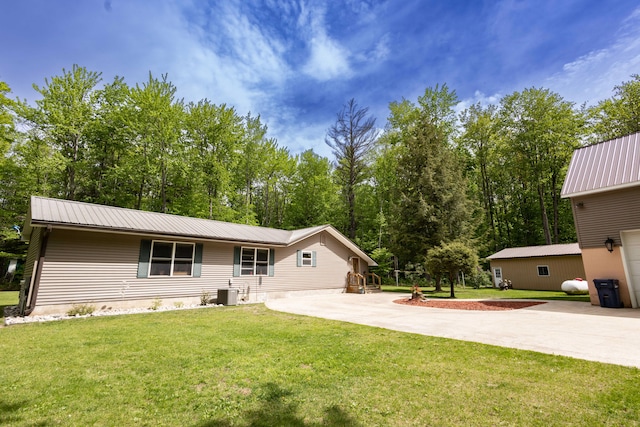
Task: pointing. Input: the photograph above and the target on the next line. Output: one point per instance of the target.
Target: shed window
(306, 258)
(171, 259)
(254, 261)
(543, 270)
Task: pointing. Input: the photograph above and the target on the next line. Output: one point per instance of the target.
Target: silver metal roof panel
(538, 251)
(604, 166)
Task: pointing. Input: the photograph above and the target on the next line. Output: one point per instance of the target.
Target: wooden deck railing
(356, 283)
(374, 280)
(362, 283)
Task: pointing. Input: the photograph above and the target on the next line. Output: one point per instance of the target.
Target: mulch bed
(469, 305)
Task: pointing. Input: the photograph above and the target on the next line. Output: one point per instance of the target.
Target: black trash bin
(608, 293)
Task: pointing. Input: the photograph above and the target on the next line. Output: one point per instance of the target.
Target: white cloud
(382, 51)
(327, 58)
(216, 54)
(478, 97)
(304, 137)
(592, 77)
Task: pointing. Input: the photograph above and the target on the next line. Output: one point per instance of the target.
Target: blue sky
(296, 63)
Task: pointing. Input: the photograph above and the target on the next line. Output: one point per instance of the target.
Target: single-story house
(542, 268)
(82, 253)
(603, 184)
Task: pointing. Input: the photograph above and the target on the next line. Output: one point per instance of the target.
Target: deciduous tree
(618, 115)
(450, 259)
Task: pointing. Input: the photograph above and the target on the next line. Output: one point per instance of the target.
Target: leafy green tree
(480, 140)
(215, 134)
(618, 115)
(539, 132)
(250, 169)
(7, 162)
(63, 116)
(156, 160)
(313, 193)
(384, 258)
(385, 187)
(7, 128)
(274, 187)
(450, 259)
(351, 138)
(108, 140)
(11, 208)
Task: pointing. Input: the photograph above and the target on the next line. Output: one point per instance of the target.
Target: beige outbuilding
(542, 268)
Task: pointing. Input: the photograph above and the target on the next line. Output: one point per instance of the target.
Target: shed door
(631, 252)
(497, 276)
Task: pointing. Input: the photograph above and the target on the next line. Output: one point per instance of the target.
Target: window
(171, 259)
(254, 261)
(543, 270)
(307, 258)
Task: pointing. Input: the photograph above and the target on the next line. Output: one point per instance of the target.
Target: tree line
(488, 177)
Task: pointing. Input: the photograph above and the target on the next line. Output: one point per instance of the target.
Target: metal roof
(604, 166)
(66, 213)
(538, 251)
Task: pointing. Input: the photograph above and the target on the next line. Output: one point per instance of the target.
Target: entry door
(631, 259)
(355, 265)
(497, 276)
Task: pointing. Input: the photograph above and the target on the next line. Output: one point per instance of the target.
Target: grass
(249, 366)
(490, 293)
(7, 298)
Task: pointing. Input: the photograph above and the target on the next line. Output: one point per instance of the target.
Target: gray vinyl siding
(523, 272)
(330, 271)
(95, 267)
(32, 252)
(603, 215)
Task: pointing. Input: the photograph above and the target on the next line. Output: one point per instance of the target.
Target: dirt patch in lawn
(469, 305)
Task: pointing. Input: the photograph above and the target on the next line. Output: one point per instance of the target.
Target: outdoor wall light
(609, 244)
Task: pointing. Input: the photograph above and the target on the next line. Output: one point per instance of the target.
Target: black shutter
(197, 262)
(143, 260)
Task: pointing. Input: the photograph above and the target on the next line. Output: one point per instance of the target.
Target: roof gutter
(148, 233)
(32, 296)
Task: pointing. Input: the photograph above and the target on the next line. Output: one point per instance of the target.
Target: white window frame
(256, 263)
(172, 259)
(306, 261)
(544, 275)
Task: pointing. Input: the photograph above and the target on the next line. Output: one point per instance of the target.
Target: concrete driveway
(566, 328)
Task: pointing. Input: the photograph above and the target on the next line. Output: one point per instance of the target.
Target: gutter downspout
(31, 305)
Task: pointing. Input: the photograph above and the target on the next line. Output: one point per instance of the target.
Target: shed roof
(538, 251)
(604, 166)
(71, 214)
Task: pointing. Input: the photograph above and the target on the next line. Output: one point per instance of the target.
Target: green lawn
(249, 366)
(7, 298)
(490, 293)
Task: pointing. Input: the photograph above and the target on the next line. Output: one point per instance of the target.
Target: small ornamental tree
(449, 259)
(384, 258)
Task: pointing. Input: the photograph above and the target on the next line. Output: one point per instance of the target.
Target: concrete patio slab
(567, 328)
